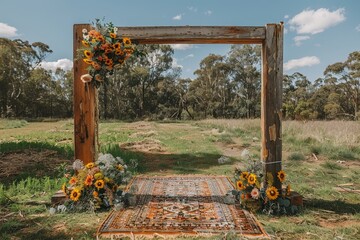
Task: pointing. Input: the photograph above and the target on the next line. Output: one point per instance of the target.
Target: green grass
(10, 124)
(192, 147)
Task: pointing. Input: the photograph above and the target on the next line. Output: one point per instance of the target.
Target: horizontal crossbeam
(194, 34)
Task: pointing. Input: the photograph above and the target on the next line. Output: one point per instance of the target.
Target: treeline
(149, 86)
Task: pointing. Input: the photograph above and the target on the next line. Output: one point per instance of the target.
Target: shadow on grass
(337, 206)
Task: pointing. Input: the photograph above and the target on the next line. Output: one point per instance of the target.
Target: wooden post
(271, 101)
(84, 105)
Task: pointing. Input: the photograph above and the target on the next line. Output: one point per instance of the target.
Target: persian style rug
(170, 206)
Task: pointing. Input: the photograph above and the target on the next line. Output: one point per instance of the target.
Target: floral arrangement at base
(254, 195)
(104, 51)
(96, 185)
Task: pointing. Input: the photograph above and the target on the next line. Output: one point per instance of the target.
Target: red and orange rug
(180, 205)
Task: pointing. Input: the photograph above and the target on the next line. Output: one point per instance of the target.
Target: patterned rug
(180, 205)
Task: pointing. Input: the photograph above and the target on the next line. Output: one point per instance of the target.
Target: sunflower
(90, 165)
(251, 179)
(87, 61)
(244, 175)
(75, 194)
(113, 35)
(64, 189)
(240, 185)
(127, 41)
(119, 52)
(96, 66)
(88, 54)
(73, 180)
(88, 181)
(117, 45)
(272, 193)
(121, 61)
(99, 184)
(281, 175)
(85, 43)
(109, 62)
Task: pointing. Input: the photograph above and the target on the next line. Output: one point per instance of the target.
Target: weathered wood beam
(194, 34)
(84, 105)
(271, 101)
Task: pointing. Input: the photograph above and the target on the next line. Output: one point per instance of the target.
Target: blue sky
(318, 32)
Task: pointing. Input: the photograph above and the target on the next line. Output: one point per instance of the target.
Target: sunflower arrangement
(96, 185)
(103, 51)
(254, 195)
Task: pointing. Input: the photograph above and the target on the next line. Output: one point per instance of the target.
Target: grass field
(322, 160)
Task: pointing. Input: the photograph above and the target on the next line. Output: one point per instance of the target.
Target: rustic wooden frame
(271, 38)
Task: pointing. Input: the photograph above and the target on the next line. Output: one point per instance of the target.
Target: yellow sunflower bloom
(113, 35)
(99, 184)
(90, 165)
(64, 189)
(240, 185)
(251, 179)
(244, 175)
(272, 193)
(88, 54)
(120, 167)
(117, 45)
(85, 43)
(75, 194)
(281, 176)
(127, 41)
(87, 61)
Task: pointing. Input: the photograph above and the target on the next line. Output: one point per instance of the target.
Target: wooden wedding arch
(271, 38)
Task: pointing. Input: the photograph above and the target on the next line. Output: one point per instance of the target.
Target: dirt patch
(146, 134)
(232, 149)
(338, 222)
(146, 145)
(142, 125)
(29, 162)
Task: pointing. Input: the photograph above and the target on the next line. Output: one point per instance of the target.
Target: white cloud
(285, 30)
(301, 62)
(175, 64)
(192, 9)
(190, 56)
(181, 46)
(208, 12)
(298, 39)
(177, 17)
(316, 21)
(7, 31)
(65, 64)
(358, 28)
(286, 16)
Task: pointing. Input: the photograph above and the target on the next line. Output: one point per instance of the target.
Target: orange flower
(108, 50)
(109, 62)
(251, 178)
(109, 67)
(73, 181)
(100, 38)
(93, 33)
(121, 61)
(129, 50)
(88, 180)
(95, 194)
(100, 58)
(126, 41)
(272, 193)
(281, 175)
(113, 35)
(96, 66)
(119, 52)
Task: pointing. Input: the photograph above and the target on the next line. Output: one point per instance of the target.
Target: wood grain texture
(84, 105)
(194, 34)
(271, 101)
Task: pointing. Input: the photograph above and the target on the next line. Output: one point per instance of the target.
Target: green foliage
(331, 165)
(9, 124)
